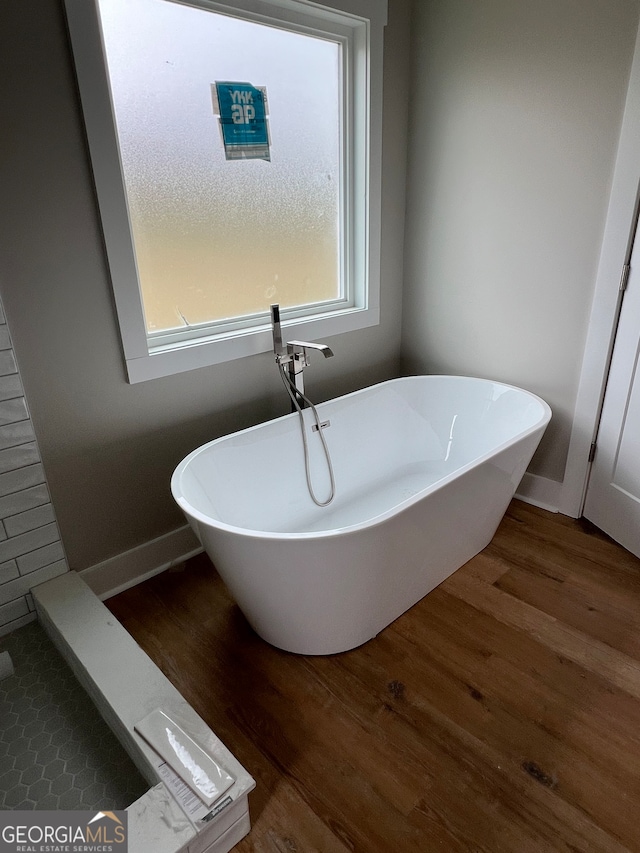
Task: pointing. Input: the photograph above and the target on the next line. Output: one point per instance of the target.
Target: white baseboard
(139, 564)
(540, 491)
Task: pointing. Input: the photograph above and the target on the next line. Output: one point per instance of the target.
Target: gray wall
(515, 114)
(108, 447)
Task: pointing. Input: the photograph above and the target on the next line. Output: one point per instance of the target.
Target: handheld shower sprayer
(278, 346)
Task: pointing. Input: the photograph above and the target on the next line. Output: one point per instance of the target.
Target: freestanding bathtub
(425, 467)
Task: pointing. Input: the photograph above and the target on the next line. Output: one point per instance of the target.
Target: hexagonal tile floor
(56, 751)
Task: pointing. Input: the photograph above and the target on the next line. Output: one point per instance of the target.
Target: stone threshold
(126, 685)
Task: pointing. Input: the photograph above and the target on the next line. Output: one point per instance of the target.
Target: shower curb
(125, 686)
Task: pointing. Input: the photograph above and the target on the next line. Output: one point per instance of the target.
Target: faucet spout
(326, 351)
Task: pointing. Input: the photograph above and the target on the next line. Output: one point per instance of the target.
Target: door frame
(616, 247)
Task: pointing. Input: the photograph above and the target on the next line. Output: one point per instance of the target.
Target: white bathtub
(425, 468)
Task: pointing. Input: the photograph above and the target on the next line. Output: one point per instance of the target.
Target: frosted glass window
(207, 223)
(214, 238)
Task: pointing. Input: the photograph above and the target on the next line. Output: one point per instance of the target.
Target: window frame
(359, 22)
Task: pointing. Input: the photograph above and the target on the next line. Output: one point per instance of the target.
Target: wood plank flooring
(501, 713)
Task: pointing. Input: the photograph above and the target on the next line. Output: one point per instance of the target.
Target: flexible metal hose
(294, 393)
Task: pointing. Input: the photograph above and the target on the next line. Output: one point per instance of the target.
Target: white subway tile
(7, 362)
(22, 478)
(23, 500)
(8, 571)
(5, 339)
(13, 434)
(13, 410)
(30, 602)
(17, 623)
(10, 386)
(29, 520)
(28, 542)
(2, 315)
(13, 610)
(24, 584)
(18, 457)
(41, 557)
(3, 531)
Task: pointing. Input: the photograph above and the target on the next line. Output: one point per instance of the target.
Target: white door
(613, 494)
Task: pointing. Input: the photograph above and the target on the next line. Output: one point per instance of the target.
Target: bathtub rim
(202, 518)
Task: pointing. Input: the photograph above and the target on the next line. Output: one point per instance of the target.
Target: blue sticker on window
(243, 113)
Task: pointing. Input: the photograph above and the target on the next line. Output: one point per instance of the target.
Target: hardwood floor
(501, 713)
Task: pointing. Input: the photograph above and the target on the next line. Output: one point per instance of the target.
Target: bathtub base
(329, 595)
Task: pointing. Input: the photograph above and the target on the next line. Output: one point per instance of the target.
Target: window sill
(178, 358)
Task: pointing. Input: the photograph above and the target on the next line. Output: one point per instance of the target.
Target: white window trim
(369, 18)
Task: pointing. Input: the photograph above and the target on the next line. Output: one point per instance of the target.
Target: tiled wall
(30, 548)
